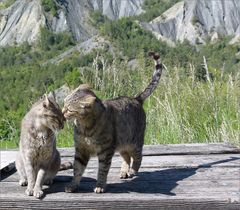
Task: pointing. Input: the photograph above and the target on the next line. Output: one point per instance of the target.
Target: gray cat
(38, 160)
(103, 127)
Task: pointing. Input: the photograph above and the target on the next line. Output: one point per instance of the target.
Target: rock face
(77, 13)
(115, 9)
(22, 20)
(96, 42)
(197, 20)
(61, 93)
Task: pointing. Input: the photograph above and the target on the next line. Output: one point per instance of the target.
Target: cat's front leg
(80, 162)
(37, 191)
(105, 160)
(31, 177)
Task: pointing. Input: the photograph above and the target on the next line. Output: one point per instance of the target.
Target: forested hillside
(197, 100)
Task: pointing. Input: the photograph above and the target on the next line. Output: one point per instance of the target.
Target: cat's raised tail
(155, 78)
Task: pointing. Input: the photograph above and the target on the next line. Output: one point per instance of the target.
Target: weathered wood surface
(181, 149)
(197, 176)
(6, 158)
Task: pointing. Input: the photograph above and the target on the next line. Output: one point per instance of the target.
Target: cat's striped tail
(155, 78)
(66, 166)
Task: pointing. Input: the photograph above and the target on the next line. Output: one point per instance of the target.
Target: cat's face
(51, 114)
(79, 104)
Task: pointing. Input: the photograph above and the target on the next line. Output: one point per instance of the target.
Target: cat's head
(50, 113)
(80, 104)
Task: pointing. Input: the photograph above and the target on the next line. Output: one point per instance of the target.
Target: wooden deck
(193, 176)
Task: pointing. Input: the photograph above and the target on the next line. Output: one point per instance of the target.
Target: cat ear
(46, 101)
(84, 87)
(88, 101)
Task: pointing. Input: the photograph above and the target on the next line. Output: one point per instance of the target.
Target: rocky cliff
(193, 20)
(197, 20)
(115, 9)
(23, 20)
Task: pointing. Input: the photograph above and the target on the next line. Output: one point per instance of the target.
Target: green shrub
(50, 6)
(131, 38)
(154, 8)
(72, 78)
(98, 19)
(7, 3)
(51, 43)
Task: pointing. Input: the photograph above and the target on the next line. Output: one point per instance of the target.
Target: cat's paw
(99, 190)
(125, 175)
(29, 192)
(23, 182)
(71, 188)
(38, 193)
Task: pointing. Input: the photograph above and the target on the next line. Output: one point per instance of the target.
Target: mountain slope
(197, 20)
(22, 21)
(115, 9)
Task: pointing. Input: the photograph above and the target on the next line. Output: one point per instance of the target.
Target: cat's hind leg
(124, 172)
(137, 160)
(31, 176)
(21, 170)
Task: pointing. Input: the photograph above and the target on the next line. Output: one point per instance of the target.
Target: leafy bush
(131, 38)
(155, 8)
(7, 3)
(98, 19)
(50, 6)
(54, 42)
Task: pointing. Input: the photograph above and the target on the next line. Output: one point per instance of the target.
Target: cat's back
(125, 109)
(128, 118)
(29, 117)
(123, 104)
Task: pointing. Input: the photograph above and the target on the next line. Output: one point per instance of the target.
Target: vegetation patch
(7, 3)
(155, 8)
(50, 6)
(196, 100)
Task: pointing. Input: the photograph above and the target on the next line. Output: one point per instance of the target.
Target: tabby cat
(38, 160)
(103, 127)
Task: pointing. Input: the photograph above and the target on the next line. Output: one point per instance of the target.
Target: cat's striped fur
(103, 127)
(38, 160)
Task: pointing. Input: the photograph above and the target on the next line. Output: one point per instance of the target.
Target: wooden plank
(123, 204)
(176, 161)
(192, 188)
(176, 149)
(189, 164)
(147, 185)
(127, 190)
(188, 181)
(7, 158)
(133, 192)
(216, 174)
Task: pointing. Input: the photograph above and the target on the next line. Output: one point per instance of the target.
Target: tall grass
(183, 109)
